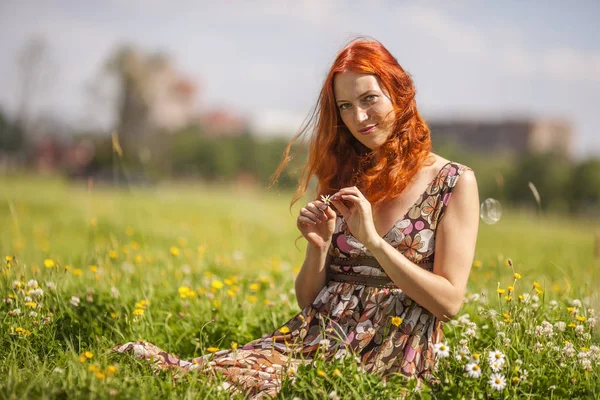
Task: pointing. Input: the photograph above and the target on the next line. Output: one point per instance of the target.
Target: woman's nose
(362, 114)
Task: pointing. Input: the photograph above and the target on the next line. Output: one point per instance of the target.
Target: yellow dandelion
(213, 349)
(521, 297)
(113, 254)
(217, 284)
(571, 325)
(571, 309)
(500, 291)
(48, 263)
(337, 372)
(284, 330)
(517, 275)
(82, 358)
(111, 370)
(581, 318)
(510, 289)
(77, 272)
(321, 373)
(174, 251)
(234, 345)
(113, 315)
(254, 287)
(506, 315)
(93, 268)
(139, 259)
(228, 282)
(396, 321)
(138, 311)
(536, 285)
(31, 304)
(230, 293)
(88, 354)
(508, 298)
(477, 264)
(19, 330)
(538, 290)
(93, 368)
(252, 299)
(515, 379)
(100, 375)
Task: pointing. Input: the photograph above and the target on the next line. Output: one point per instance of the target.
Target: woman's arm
(311, 278)
(442, 291)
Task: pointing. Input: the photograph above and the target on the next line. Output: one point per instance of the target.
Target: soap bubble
(491, 211)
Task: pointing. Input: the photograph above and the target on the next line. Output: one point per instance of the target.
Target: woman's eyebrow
(359, 96)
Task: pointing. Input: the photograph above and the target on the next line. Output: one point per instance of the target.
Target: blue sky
(267, 59)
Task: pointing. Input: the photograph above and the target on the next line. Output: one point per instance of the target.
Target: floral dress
(351, 315)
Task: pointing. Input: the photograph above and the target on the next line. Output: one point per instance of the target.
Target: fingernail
(323, 207)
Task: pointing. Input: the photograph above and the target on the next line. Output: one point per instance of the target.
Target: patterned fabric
(351, 316)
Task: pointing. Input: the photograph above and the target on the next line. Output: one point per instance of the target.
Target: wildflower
(507, 298)
(475, 358)
(510, 289)
(32, 283)
(217, 284)
(337, 372)
(462, 353)
(93, 268)
(580, 318)
(517, 275)
(497, 381)
(252, 299)
(321, 373)
(324, 343)
(441, 350)
(500, 291)
(254, 287)
(16, 311)
(576, 303)
(138, 311)
(326, 199)
(591, 322)
(473, 370)
(100, 375)
(213, 349)
(88, 354)
(538, 290)
(77, 272)
(174, 251)
(111, 370)
(537, 285)
(234, 346)
(284, 330)
(113, 254)
(48, 263)
(496, 366)
(31, 304)
(477, 264)
(75, 301)
(571, 325)
(333, 395)
(396, 321)
(496, 355)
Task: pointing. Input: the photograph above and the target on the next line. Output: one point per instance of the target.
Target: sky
(266, 59)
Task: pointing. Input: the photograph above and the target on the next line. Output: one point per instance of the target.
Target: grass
(113, 248)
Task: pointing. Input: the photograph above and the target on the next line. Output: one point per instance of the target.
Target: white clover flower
(51, 285)
(576, 303)
(32, 283)
(36, 292)
(333, 395)
(470, 332)
(560, 326)
(473, 370)
(501, 335)
(497, 381)
(553, 304)
(114, 292)
(545, 329)
(579, 329)
(569, 350)
(586, 336)
(538, 347)
(591, 322)
(441, 350)
(16, 284)
(33, 314)
(496, 356)
(507, 342)
(523, 376)
(464, 319)
(586, 364)
(75, 301)
(27, 299)
(463, 342)
(16, 311)
(324, 343)
(223, 386)
(535, 298)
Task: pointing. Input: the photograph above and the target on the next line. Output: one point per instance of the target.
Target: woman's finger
(339, 204)
(309, 214)
(352, 198)
(317, 210)
(306, 221)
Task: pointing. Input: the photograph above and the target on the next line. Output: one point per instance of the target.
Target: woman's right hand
(316, 222)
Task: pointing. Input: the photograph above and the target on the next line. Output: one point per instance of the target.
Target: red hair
(337, 158)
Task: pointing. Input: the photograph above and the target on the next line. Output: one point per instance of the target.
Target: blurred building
(509, 135)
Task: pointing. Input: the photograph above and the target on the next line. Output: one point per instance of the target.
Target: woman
(388, 254)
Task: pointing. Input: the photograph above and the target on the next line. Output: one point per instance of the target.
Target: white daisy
(325, 199)
(473, 370)
(496, 355)
(497, 381)
(497, 366)
(441, 350)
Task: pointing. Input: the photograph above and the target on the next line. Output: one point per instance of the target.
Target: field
(196, 268)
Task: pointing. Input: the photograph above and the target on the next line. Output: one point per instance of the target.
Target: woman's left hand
(358, 215)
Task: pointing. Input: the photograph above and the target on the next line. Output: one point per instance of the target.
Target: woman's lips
(367, 130)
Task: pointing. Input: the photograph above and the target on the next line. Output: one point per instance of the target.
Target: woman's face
(366, 109)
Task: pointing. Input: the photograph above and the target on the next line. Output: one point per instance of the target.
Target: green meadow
(194, 268)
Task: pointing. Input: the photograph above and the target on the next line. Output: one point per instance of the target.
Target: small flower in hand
(325, 199)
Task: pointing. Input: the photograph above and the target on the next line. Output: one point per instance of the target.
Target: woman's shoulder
(440, 163)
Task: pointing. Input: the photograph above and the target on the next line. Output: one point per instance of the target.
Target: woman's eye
(344, 106)
(370, 97)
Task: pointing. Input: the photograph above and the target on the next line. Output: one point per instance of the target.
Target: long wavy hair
(337, 158)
